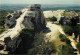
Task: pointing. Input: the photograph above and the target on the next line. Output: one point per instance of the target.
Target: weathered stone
(69, 21)
(11, 19)
(35, 18)
(29, 19)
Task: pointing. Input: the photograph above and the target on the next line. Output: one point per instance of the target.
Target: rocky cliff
(33, 18)
(11, 19)
(26, 18)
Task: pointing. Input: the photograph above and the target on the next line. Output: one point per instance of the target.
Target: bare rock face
(34, 18)
(15, 22)
(69, 21)
(11, 19)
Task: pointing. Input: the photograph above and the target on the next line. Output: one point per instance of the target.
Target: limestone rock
(11, 19)
(69, 20)
(15, 22)
(35, 18)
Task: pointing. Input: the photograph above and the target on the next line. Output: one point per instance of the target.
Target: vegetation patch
(2, 30)
(78, 46)
(3, 14)
(41, 47)
(68, 48)
(64, 39)
(27, 36)
(52, 19)
(67, 29)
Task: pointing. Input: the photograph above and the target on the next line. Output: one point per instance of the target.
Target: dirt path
(53, 31)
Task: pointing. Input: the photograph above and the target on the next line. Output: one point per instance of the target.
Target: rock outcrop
(35, 18)
(27, 18)
(11, 19)
(57, 14)
(69, 21)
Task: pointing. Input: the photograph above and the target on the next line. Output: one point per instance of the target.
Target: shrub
(64, 39)
(52, 19)
(67, 29)
(78, 46)
(74, 39)
(27, 36)
(2, 22)
(41, 47)
(76, 29)
(65, 50)
(2, 30)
